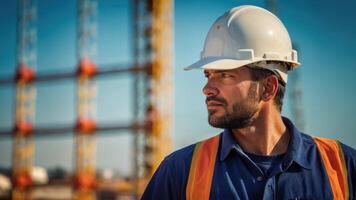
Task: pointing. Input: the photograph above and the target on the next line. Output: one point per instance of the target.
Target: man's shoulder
(306, 138)
(170, 178)
(349, 152)
(181, 155)
(184, 154)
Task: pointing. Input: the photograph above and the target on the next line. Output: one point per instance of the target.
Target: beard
(240, 115)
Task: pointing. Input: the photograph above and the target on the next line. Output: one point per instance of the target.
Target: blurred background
(93, 93)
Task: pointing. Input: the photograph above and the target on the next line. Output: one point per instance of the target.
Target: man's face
(232, 98)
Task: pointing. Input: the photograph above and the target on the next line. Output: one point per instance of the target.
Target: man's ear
(270, 86)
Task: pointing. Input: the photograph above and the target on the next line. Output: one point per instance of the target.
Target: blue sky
(324, 31)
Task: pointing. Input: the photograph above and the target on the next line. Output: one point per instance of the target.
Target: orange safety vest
(204, 156)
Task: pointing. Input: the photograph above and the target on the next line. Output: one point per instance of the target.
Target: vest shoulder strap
(202, 169)
(334, 163)
(203, 164)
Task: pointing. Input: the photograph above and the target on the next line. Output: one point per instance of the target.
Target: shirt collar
(228, 143)
(296, 152)
(298, 146)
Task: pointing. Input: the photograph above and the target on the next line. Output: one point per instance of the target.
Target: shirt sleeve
(163, 184)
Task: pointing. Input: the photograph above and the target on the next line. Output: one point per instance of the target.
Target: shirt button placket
(269, 192)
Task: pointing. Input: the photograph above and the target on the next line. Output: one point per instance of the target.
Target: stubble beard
(240, 115)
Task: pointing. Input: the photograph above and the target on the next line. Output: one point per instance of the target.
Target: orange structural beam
(85, 125)
(85, 181)
(22, 180)
(87, 67)
(24, 73)
(23, 127)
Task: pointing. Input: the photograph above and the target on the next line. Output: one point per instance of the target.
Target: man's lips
(212, 104)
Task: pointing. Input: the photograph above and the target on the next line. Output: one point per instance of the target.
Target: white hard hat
(246, 35)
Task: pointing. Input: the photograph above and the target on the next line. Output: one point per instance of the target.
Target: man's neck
(267, 135)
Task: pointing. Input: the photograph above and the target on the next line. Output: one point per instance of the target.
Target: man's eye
(225, 75)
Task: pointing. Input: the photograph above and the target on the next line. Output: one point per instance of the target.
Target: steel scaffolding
(153, 49)
(23, 144)
(152, 73)
(86, 105)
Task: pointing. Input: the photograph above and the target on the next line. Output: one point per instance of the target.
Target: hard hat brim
(219, 63)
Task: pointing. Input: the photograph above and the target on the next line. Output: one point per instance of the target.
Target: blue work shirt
(300, 174)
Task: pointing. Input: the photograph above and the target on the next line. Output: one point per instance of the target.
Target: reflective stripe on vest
(205, 153)
(202, 169)
(334, 163)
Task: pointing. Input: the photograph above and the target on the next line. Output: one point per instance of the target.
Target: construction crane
(296, 94)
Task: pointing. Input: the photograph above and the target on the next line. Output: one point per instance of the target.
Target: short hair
(258, 74)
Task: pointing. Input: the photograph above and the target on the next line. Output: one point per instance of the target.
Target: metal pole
(23, 145)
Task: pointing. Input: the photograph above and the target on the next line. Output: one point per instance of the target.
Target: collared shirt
(299, 175)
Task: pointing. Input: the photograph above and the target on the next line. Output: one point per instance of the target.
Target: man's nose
(209, 89)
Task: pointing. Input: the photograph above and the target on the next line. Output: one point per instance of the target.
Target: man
(260, 154)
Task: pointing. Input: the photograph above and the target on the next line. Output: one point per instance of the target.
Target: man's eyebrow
(216, 71)
(221, 71)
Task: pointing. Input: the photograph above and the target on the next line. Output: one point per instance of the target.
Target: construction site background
(130, 53)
